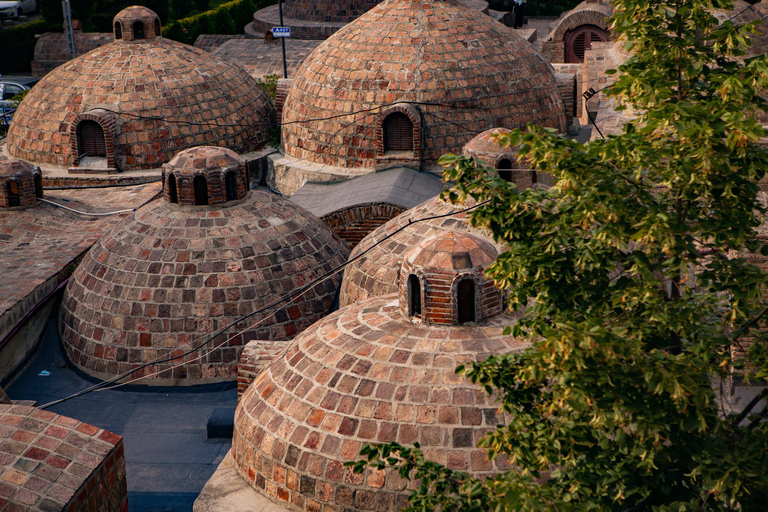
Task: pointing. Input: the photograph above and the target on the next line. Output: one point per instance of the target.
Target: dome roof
(376, 273)
(485, 149)
(147, 102)
(205, 176)
(451, 70)
(454, 250)
(21, 183)
(137, 23)
(166, 277)
(326, 10)
(365, 374)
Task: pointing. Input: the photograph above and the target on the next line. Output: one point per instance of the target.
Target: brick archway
(413, 116)
(107, 122)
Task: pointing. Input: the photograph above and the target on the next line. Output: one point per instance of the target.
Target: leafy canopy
(635, 285)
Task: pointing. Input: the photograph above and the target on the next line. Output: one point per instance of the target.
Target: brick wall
(256, 356)
(354, 223)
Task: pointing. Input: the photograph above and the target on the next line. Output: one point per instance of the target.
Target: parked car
(9, 89)
(15, 8)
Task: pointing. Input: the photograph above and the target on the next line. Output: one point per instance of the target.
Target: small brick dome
(166, 277)
(365, 374)
(137, 103)
(327, 10)
(442, 280)
(137, 24)
(427, 75)
(205, 176)
(378, 271)
(21, 183)
(485, 150)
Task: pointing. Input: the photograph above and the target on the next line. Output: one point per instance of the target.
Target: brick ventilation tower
(21, 183)
(180, 268)
(137, 102)
(379, 371)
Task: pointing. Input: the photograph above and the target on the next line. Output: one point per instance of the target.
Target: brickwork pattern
(169, 275)
(260, 59)
(51, 49)
(167, 97)
(256, 356)
(211, 163)
(28, 179)
(365, 374)
(477, 73)
(356, 222)
(590, 12)
(135, 18)
(440, 263)
(55, 463)
(377, 273)
(326, 10)
(50, 238)
(210, 42)
(283, 86)
(107, 122)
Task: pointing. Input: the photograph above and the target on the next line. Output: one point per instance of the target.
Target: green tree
(631, 274)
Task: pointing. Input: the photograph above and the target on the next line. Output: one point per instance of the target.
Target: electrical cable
(86, 213)
(287, 297)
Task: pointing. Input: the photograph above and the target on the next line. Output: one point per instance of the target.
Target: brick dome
(365, 374)
(205, 176)
(486, 151)
(326, 10)
(167, 276)
(427, 76)
(137, 24)
(138, 102)
(20, 183)
(378, 271)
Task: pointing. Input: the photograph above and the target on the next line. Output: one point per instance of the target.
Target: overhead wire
(285, 298)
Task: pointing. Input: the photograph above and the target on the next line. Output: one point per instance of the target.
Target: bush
(18, 44)
(228, 18)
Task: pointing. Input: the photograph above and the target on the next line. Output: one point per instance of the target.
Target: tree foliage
(632, 275)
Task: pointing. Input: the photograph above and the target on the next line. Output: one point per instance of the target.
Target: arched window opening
(579, 40)
(398, 133)
(138, 30)
(13, 194)
(414, 296)
(465, 301)
(118, 30)
(90, 138)
(229, 182)
(158, 30)
(504, 168)
(38, 185)
(200, 184)
(173, 195)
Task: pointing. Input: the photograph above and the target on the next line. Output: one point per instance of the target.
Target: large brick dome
(171, 273)
(377, 372)
(425, 76)
(377, 272)
(143, 99)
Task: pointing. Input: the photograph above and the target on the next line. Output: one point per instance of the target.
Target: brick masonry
(590, 12)
(256, 356)
(165, 96)
(52, 463)
(356, 222)
(26, 178)
(366, 374)
(170, 274)
(467, 72)
(51, 49)
(377, 273)
(213, 165)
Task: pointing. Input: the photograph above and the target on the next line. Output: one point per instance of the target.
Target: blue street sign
(281, 31)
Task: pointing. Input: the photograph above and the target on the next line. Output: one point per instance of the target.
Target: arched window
(200, 184)
(465, 300)
(13, 194)
(414, 296)
(158, 30)
(504, 168)
(398, 133)
(38, 185)
(118, 30)
(138, 30)
(229, 182)
(90, 139)
(173, 195)
(579, 40)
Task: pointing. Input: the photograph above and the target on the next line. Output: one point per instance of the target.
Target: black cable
(285, 298)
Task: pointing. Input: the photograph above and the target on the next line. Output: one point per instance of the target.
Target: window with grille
(90, 138)
(200, 184)
(398, 133)
(579, 40)
(466, 301)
